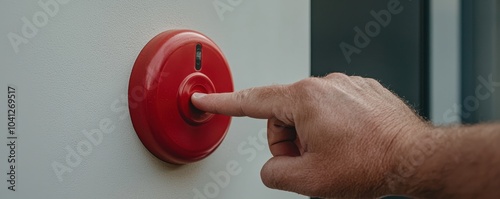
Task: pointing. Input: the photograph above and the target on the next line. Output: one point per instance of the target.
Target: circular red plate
(168, 70)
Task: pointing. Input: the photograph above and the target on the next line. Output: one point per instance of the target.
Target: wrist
(412, 148)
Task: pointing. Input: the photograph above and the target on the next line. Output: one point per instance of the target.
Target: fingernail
(198, 95)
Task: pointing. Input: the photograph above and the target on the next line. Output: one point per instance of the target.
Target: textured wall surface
(70, 66)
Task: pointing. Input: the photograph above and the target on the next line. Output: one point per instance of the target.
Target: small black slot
(198, 57)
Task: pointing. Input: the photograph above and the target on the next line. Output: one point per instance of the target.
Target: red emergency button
(169, 69)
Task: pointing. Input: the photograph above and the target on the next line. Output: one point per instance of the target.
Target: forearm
(457, 162)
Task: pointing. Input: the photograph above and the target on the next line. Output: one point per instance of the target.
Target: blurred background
(442, 56)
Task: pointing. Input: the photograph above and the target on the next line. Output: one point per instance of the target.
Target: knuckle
(268, 177)
(306, 88)
(336, 76)
(359, 83)
(358, 78)
(308, 83)
(372, 82)
(241, 97)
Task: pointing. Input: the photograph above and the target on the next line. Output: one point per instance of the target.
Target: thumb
(288, 173)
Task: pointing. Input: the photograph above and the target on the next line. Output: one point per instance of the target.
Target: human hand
(335, 136)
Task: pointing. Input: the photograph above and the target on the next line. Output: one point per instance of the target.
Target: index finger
(259, 102)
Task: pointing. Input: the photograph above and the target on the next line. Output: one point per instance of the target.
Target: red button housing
(165, 75)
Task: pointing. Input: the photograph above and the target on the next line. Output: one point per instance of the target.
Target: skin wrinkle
(289, 117)
(281, 127)
(240, 98)
(217, 107)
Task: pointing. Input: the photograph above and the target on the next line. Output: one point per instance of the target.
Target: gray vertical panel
(496, 69)
(396, 55)
(445, 60)
(479, 55)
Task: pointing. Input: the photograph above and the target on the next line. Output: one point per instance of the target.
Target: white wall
(73, 73)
